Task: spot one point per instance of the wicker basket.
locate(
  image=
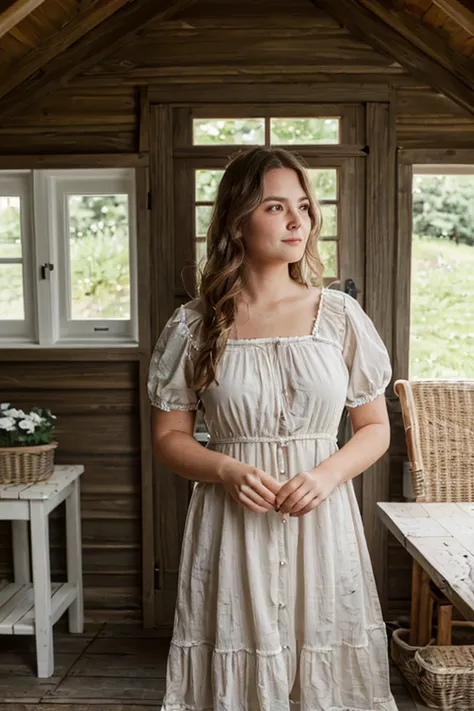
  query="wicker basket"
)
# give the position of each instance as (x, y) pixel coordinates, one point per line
(26, 465)
(403, 654)
(445, 677)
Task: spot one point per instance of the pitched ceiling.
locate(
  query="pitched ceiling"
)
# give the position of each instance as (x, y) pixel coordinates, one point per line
(46, 43)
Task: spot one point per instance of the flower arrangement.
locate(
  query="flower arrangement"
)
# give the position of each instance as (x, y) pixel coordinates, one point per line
(20, 429)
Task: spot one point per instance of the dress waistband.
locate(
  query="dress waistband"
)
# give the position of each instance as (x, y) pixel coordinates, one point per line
(279, 440)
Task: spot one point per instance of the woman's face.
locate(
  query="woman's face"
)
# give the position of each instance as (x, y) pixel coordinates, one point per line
(279, 227)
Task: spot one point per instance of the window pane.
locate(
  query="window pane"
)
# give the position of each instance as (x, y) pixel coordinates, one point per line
(329, 220)
(99, 256)
(203, 219)
(309, 131)
(219, 132)
(324, 182)
(442, 309)
(442, 286)
(201, 252)
(12, 306)
(328, 254)
(207, 182)
(10, 227)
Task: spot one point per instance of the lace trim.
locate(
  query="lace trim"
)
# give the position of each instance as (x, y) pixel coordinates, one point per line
(167, 406)
(367, 398)
(270, 653)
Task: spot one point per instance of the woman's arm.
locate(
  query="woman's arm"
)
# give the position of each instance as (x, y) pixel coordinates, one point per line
(371, 439)
(174, 446)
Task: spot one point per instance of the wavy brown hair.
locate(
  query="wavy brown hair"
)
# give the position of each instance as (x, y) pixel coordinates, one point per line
(240, 192)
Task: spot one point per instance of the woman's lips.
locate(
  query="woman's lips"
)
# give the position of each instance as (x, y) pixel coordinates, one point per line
(292, 240)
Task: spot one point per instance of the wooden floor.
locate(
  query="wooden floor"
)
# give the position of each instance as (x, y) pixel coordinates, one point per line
(120, 668)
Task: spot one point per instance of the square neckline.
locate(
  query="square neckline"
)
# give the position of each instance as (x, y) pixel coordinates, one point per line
(285, 339)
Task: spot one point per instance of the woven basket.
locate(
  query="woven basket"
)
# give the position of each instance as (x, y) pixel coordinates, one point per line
(445, 677)
(403, 654)
(26, 465)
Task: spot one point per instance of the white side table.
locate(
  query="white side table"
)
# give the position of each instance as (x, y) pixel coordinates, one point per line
(33, 608)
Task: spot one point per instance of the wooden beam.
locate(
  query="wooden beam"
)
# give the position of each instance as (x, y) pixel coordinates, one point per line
(54, 68)
(15, 13)
(424, 38)
(378, 34)
(96, 13)
(379, 303)
(459, 12)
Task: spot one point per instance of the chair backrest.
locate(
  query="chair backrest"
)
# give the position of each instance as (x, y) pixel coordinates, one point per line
(438, 416)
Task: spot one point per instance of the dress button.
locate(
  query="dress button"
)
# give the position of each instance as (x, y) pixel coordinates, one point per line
(283, 520)
(281, 604)
(286, 646)
(282, 562)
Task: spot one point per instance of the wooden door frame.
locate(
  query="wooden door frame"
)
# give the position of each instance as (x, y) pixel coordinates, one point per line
(373, 136)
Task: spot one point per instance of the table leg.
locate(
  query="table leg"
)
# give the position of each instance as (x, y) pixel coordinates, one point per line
(74, 558)
(42, 588)
(21, 552)
(415, 602)
(425, 621)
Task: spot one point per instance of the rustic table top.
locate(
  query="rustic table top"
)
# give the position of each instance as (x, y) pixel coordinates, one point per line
(440, 537)
(62, 476)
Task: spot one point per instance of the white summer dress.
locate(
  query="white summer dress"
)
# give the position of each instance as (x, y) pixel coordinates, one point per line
(276, 613)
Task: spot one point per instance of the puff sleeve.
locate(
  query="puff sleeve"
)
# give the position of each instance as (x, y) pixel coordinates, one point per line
(365, 355)
(170, 363)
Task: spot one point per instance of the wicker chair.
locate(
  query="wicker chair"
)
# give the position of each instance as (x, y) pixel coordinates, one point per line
(438, 417)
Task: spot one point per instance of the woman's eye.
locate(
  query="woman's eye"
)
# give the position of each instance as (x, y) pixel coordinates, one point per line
(274, 208)
(305, 207)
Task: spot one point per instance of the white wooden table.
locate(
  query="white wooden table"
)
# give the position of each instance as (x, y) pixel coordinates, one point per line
(33, 607)
(440, 537)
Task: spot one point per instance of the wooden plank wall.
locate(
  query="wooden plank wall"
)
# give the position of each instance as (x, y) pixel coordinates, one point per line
(222, 44)
(96, 404)
(76, 121)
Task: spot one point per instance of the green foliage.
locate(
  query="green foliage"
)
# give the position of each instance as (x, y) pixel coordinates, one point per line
(99, 253)
(442, 309)
(21, 429)
(443, 207)
(284, 131)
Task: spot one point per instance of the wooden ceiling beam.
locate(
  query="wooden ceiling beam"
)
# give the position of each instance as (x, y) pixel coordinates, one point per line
(101, 31)
(459, 12)
(426, 39)
(98, 12)
(370, 28)
(15, 13)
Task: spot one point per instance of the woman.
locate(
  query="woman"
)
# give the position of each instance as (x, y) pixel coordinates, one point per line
(277, 607)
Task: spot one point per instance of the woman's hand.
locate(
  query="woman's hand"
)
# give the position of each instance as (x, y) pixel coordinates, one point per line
(305, 491)
(250, 486)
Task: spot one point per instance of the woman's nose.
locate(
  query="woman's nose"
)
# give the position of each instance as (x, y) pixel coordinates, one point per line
(294, 220)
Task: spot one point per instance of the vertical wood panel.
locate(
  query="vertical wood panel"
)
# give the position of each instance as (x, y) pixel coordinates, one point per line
(379, 304)
(171, 492)
(403, 268)
(143, 278)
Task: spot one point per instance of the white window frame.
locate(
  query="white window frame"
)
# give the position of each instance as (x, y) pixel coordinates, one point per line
(18, 183)
(50, 301)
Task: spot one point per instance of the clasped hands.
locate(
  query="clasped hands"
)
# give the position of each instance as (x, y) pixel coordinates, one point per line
(259, 492)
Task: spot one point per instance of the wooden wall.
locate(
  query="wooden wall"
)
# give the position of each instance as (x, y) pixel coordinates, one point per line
(96, 403)
(213, 50)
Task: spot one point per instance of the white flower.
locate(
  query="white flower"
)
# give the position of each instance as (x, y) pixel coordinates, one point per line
(34, 417)
(14, 413)
(27, 425)
(4, 406)
(7, 423)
